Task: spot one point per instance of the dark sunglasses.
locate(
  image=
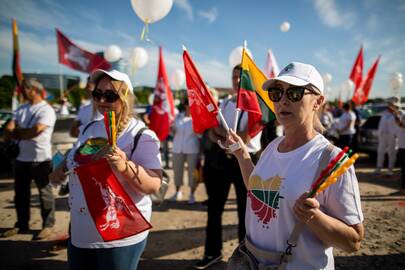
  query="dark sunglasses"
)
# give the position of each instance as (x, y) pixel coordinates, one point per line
(294, 93)
(109, 96)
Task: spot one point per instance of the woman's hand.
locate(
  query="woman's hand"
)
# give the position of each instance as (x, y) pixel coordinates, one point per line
(305, 208)
(235, 145)
(117, 159)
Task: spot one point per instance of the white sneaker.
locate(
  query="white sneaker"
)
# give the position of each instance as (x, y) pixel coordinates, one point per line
(191, 199)
(177, 196)
(390, 172)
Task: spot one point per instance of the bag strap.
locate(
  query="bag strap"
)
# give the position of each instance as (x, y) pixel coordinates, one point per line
(136, 139)
(88, 125)
(295, 234)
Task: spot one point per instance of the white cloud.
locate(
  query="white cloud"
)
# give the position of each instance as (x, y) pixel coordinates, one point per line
(186, 7)
(373, 23)
(331, 15)
(32, 14)
(211, 15)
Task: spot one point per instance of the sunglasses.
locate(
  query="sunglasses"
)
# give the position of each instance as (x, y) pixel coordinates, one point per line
(294, 93)
(109, 96)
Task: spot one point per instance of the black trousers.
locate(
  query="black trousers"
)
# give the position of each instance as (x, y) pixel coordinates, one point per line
(401, 160)
(24, 173)
(220, 171)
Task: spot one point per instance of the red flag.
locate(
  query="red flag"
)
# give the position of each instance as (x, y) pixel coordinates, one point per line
(113, 211)
(272, 69)
(203, 107)
(162, 114)
(360, 96)
(357, 71)
(76, 58)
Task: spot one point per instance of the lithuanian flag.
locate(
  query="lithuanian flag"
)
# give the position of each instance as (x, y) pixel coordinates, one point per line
(17, 74)
(252, 98)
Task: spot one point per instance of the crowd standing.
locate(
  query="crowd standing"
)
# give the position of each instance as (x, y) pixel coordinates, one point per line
(287, 153)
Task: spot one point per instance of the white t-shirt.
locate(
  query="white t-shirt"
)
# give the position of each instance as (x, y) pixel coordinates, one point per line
(387, 125)
(37, 149)
(84, 233)
(346, 118)
(276, 182)
(401, 133)
(228, 108)
(86, 114)
(185, 140)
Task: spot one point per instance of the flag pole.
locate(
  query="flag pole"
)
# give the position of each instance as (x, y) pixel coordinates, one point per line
(60, 82)
(237, 111)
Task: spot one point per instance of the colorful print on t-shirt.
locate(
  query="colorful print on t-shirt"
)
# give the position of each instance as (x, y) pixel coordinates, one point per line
(264, 196)
(88, 149)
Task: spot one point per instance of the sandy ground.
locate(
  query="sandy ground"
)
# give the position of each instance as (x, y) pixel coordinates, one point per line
(177, 239)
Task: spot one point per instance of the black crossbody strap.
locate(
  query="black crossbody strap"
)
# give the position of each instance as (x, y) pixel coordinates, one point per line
(88, 125)
(136, 139)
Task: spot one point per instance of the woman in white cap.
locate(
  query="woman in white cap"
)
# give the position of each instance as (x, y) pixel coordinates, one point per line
(278, 185)
(100, 239)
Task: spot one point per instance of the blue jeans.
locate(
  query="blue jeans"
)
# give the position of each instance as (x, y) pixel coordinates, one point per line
(119, 258)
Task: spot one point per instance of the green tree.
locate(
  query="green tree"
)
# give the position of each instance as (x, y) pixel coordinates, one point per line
(7, 86)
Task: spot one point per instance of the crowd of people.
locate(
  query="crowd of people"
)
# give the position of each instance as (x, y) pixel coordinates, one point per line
(271, 173)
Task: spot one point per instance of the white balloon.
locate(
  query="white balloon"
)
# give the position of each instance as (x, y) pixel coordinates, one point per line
(396, 80)
(178, 78)
(235, 57)
(151, 11)
(113, 53)
(284, 27)
(327, 78)
(139, 57)
(348, 85)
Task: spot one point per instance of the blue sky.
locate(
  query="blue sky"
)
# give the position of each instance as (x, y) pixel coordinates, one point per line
(325, 33)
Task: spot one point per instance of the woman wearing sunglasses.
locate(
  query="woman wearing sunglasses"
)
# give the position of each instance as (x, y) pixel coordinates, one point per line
(138, 172)
(277, 186)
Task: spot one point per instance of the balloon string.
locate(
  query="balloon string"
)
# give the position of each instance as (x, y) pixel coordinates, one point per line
(145, 30)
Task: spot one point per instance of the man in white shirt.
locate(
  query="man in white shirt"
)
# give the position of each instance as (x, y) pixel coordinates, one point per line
(346, 126)
(32, 126)
(399, 117)
(387, 141)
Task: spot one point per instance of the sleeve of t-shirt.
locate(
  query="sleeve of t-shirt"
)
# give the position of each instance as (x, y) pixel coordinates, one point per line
(147, 153)
(46, 117)
(343, 199)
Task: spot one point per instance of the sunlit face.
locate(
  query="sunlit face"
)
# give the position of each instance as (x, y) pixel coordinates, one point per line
(30, 92)
(101, 104)
(298, 113)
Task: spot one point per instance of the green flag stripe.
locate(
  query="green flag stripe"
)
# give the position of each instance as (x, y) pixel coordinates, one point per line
(267, 114)
(245, 81)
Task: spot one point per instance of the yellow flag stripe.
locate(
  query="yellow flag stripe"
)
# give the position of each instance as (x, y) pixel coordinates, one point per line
(257, 77)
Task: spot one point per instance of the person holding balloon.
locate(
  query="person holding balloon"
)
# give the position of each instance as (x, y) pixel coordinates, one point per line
(303, 194)
(110, 180)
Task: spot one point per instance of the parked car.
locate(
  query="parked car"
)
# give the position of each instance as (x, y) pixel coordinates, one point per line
(368, 136)
(61, 139)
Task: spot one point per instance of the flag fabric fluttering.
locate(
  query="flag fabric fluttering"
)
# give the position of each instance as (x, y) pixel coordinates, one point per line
(252, 98)
(271, 69)
(203, 107)
(357, 71)
(360, 95)
(17, 74)
(76, 58)
(114, 213)
(162, 114)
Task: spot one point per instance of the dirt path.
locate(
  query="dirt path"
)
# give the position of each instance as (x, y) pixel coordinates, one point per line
(177, 239)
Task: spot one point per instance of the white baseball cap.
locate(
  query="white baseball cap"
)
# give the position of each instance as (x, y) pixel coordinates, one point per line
(114, 74)
(298, 74)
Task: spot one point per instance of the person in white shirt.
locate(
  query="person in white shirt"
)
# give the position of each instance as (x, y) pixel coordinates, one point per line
(277, 186)
(86, 113)
(186, 147)
(138, 170)
(387, 137)
(346, 127)
(220, 171)
(400, 121)
(32, 125)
